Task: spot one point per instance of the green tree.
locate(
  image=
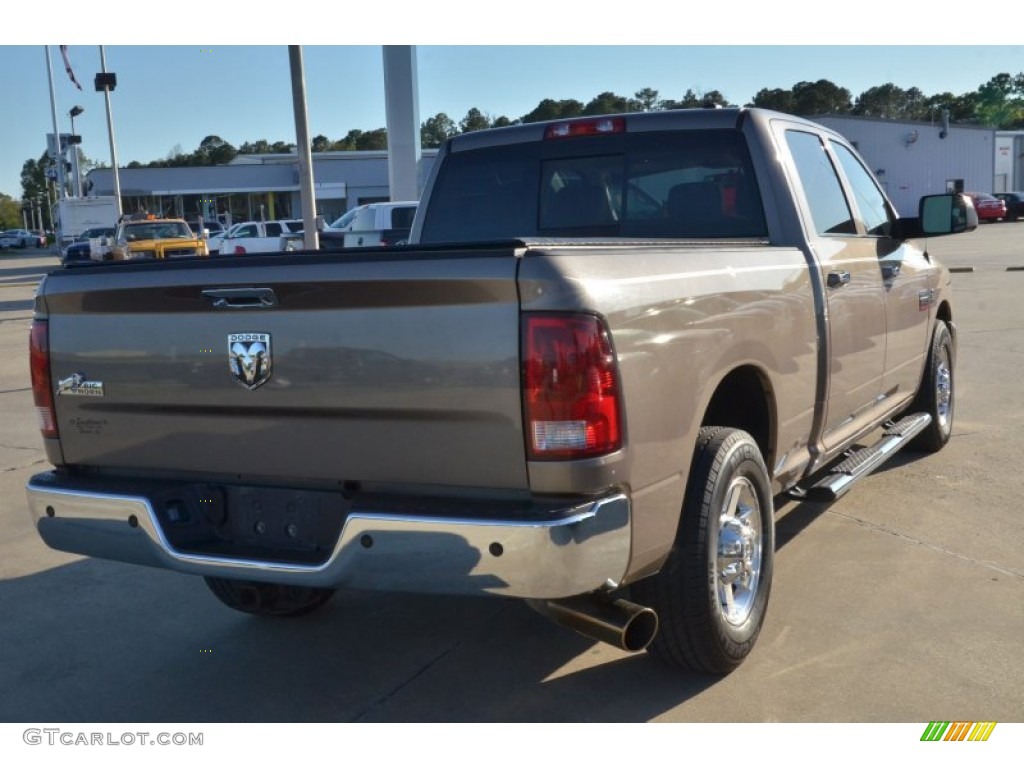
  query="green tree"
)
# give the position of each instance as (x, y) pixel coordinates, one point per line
(434, 131)
(33, 178)
(475, 120)
(1000, 102)
(549, 109)
(213, 150)
(780, 99)
(646, 99)
(693, 100)
(503, 122)
(822, 97)
(607, 103)
(10, 212)
(375, 139)
(320, 143)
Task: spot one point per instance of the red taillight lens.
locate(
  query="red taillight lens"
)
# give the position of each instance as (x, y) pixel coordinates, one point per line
(570, 387)
(39, 366)
(595, 126)
(239, 250)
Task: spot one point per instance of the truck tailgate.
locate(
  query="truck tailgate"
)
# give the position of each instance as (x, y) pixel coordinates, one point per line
(396, 367)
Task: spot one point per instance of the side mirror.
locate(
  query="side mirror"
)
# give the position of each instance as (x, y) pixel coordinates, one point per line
(939, 215)
(947, 214)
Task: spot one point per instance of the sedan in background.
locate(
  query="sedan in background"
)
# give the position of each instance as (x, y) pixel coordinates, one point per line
(1014, 204)
(989, 208)
(22, 238)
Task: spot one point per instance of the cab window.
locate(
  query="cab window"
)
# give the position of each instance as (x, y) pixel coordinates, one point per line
(874, 211)
(822, 188)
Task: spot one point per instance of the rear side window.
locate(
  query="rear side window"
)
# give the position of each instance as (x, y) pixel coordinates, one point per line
(679, 184)
(401, 218)
(485, 194)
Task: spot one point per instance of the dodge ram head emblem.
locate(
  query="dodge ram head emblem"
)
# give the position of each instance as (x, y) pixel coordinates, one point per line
(249, 358)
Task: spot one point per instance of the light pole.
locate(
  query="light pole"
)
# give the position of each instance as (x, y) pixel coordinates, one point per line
(74, 141)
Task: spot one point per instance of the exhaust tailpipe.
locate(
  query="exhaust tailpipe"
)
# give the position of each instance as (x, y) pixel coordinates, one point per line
(625, 625)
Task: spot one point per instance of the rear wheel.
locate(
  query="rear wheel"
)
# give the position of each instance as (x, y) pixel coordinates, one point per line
(712, 593)
(264, 599)
(936, 395)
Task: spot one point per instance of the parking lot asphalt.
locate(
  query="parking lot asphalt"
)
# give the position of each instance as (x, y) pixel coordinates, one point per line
(901, 602)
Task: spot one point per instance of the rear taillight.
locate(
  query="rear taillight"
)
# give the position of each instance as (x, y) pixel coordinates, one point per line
(239, 250)
(39, 366)
(571, 397)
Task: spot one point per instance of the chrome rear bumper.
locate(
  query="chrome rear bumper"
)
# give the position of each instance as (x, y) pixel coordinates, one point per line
(579, 549)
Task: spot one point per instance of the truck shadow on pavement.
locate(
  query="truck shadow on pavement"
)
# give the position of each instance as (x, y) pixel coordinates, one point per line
(97, 641)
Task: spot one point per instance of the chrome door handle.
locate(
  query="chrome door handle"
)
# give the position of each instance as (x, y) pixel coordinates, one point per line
(889, 271)
(835, 279)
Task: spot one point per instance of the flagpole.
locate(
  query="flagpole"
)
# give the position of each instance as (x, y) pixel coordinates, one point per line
(110, 132)
(59, 159)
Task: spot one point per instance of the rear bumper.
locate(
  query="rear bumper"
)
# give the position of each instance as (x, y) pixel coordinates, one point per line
(577, 548)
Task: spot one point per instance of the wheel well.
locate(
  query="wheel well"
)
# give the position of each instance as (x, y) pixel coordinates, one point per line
(743, 401)
(944, 314)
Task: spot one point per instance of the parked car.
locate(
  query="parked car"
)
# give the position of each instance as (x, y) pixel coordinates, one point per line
(40, 238)
(257, 237)
(81, 249)
(989, 208)
(6, 241)
(1014, 204)
(22, 238)
(369, 225)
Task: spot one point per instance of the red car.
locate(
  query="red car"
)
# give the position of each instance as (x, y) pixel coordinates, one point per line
(989, 208)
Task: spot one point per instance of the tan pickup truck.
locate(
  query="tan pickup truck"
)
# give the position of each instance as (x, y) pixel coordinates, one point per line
(611, 343)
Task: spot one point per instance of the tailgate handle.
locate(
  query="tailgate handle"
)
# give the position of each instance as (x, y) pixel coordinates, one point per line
(241, 298)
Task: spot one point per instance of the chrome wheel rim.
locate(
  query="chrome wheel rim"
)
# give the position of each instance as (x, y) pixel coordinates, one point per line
(944, 391)
(738, 552)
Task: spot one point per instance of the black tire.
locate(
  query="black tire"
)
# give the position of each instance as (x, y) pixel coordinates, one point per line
(729, 492)
(262, 599)
(937, 396)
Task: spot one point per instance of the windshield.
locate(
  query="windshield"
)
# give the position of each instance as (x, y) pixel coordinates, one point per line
(157, 230)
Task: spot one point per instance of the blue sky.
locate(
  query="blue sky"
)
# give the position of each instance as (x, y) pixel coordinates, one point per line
(173, 96)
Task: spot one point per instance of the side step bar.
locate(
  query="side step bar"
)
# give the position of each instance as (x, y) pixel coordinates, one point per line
(854, 466)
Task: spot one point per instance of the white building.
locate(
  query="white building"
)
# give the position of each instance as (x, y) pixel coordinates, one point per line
(1009, 161)
(914, 159)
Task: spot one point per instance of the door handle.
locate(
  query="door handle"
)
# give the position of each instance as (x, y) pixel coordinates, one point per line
(241, 298)
(835, 279)
(889, 271)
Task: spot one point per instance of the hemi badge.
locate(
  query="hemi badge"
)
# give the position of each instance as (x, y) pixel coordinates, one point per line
(925, 299)
(75, 384)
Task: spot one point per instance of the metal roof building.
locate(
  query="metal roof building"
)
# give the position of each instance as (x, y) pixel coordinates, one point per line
(254, 187)
(913, 159)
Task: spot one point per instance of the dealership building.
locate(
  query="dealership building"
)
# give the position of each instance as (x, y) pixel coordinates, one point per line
(910, 159)
(255, 187)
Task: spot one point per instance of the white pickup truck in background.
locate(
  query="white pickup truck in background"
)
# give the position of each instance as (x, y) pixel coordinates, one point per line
(256, 237)
(370, 225)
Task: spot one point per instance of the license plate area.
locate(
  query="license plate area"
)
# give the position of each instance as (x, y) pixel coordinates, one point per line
(283, 525)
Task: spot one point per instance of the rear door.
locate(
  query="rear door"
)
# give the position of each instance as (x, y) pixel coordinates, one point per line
(383, 369)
